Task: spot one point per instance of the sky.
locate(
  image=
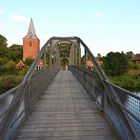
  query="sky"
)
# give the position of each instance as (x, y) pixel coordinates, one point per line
(104, 25)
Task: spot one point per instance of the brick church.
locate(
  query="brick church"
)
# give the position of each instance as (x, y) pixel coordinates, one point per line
(31, 45)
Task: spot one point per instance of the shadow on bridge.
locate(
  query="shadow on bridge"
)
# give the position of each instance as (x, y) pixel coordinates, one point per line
(64, 110)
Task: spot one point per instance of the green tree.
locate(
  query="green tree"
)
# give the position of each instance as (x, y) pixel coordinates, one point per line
(115, 64)
(11, 67)
(15, 52)
(3, 41)
(129, 56)
(28, 61)
(3, 60)
(3, 46)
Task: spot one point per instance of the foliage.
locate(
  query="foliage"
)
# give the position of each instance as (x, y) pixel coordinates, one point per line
(134, 66)
(127, 82)
(3, 41)
(11, 67)
(129, 55)
(9, 56)
(134, 72)
(15, 52)
(8, 68)
(22, 72)
(3, 60)
(115, 64)
(3, 46)
(9, 81)
(28, 61)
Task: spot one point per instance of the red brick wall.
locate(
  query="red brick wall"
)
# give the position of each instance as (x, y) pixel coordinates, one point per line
(30, 48)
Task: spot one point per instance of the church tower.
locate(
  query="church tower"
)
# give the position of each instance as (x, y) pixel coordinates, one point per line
(31, 43)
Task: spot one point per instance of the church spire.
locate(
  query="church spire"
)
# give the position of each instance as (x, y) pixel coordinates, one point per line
(31, 30)
(31, 43)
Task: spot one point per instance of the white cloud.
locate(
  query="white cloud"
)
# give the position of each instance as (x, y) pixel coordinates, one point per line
(98, 14)
(2, 12)
(19, 18)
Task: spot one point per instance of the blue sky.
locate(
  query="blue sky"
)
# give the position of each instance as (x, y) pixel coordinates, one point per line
(104, 25)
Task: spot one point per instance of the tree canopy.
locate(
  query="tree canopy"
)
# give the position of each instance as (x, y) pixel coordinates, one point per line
(115, 64)
(3, 41)
(9, 56)
(15, 52)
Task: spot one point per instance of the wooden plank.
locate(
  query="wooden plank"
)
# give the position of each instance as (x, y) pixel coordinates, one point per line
(65, 112)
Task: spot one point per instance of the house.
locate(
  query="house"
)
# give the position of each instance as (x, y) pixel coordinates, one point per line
(20, 65)
(136, 59)
(40, 64)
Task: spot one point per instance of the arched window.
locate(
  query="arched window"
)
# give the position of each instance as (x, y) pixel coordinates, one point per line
(30, 43)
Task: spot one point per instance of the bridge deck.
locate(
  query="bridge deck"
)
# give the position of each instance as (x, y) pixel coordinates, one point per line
(65, 112)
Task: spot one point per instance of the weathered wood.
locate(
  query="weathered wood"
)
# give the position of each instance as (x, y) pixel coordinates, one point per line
(65, 112)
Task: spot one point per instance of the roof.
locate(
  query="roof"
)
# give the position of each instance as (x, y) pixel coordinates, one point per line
(31, 31)
(20, 64)
(136, 57)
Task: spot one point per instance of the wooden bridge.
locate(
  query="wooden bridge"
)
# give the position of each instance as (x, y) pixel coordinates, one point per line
(73, 104)
(65, 111)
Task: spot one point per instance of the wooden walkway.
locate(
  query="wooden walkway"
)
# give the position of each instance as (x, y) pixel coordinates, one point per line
(65, 112)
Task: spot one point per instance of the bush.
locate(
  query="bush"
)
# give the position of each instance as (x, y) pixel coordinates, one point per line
(127, 82)
(10, 81)
(11, 67)
(24, 71)
(137, 66)
(29, 61)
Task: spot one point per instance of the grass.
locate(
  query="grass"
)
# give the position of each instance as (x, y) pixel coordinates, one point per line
(132, 72)
(129, 81)
(9, 81)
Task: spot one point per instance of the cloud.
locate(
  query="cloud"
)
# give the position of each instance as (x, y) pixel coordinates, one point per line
(98, 15)
(19, 18)
(2, 12)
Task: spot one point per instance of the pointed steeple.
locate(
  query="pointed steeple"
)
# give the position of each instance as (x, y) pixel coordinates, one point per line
(31, 31)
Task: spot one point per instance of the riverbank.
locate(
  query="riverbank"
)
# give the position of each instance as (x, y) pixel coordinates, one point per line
(131, 83)
(9, 81)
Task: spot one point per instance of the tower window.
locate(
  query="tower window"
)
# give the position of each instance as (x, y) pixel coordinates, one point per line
(30, 43)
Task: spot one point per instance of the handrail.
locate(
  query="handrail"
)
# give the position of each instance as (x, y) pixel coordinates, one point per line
(23, 99)
(113, 107)
(8, 92)
(128, 92)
